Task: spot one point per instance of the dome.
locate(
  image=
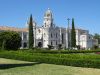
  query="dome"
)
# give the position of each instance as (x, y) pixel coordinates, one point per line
(48, 13)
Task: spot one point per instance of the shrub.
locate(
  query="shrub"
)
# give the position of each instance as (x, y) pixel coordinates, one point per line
(59, 46)
(50, 47)
(64, 51)
(95, 47)
(10, 40)
(80, 60)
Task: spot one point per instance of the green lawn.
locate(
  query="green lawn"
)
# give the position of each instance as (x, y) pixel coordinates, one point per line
(43, 69)
(9, 61)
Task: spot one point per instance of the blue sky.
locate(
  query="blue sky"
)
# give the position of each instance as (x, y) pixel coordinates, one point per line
(86, 13)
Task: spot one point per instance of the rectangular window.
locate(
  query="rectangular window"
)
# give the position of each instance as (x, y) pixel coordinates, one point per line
(51, 42)
(51, 35)
(56, 42)
(25, 37)
(56, 35)
(62, 38)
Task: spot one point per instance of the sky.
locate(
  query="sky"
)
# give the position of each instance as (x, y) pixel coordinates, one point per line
(86, 13)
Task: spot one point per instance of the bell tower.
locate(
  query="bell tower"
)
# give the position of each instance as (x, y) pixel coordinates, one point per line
(48, 19)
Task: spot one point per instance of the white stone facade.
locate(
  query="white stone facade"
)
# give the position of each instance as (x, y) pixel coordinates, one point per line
(50, 34)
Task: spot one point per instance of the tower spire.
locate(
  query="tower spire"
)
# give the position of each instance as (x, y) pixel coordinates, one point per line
(48, 20)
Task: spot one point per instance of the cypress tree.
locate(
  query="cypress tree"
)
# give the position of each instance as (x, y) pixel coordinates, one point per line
(31, 40)
(73, 34)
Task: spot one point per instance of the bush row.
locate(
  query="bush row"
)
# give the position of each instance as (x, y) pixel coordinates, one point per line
(66, 56)
(71, 56)
(61, 51)
(51, 59)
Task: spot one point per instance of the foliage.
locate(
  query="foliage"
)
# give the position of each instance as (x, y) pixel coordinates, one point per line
(59, 46)
(97, 36)
(10, 40)
(73, 35)
(78, 47)
(95, 47)
(80, 60)
(50, 47)
(62, 51)
(31, 40)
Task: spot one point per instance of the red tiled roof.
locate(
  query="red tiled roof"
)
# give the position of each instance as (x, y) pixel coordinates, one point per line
(13, 29)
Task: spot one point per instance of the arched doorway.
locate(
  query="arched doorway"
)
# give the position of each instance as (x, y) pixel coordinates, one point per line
(25, 45)
(40, 44)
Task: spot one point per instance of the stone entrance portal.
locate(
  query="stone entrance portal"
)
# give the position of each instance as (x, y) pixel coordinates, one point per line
(40, 44)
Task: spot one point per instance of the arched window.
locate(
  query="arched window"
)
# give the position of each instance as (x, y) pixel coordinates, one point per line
(48, 15)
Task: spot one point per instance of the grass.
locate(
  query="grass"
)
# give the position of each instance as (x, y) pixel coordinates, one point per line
(44, 69)
(9, 61)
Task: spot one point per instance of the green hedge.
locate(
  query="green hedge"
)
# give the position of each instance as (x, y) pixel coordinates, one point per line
(61, 51)
(80, 60)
